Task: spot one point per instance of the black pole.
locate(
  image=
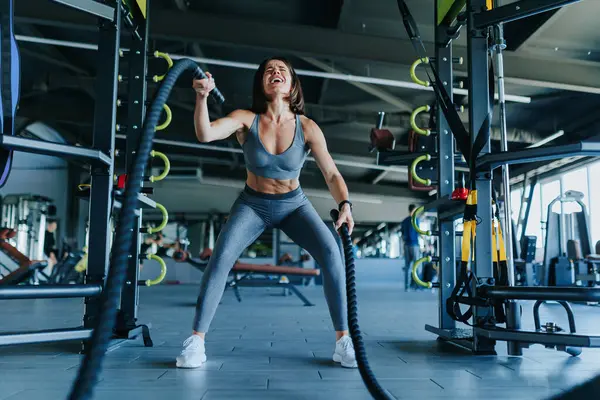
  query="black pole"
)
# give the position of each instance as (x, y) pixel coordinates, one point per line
(540, 293)
(49, 292)
(105, 119)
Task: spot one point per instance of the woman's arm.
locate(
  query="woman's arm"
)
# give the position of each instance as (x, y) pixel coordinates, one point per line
(335, 182)
(222, 128)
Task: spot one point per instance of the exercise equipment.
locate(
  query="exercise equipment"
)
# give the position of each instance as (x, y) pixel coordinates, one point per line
(25, 269)
(381, 139)
(567, 241)
(163, 271)
(486, 276)
(415, 275)
(367, 375)
(162, 175)
(92, 363)
(245, 274)
(26, 214)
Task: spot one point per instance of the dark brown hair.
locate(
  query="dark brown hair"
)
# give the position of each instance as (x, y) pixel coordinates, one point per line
(259, 99)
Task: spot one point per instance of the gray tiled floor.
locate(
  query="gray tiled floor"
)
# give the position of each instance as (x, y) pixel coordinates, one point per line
(271, 347)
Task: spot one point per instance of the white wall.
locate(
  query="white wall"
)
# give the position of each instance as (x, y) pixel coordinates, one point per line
(40, 175)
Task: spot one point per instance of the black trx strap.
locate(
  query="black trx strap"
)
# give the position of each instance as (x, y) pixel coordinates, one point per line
(499, 262)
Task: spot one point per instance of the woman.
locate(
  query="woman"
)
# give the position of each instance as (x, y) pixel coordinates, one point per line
(276, 139)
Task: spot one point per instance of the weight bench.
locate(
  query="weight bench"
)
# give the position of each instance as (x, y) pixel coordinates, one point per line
(27, 268)
(243, 274)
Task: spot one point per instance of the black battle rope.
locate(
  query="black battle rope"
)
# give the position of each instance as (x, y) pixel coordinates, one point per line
(368, 377)
(92, 363)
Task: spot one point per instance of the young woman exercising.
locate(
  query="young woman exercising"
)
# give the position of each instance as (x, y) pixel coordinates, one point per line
(276, 139)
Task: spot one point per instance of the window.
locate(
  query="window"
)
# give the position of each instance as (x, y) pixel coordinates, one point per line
(594, 209)
(515, 203)
(394, 245)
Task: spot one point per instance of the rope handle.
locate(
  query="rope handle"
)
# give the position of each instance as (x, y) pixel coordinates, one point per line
(413, 72)
(164, 222)
(168, 120)
(413, 170)
(415, 276)
(163, 270)
(167, 58)
(413, 221)
(413, 121)
(163, 175)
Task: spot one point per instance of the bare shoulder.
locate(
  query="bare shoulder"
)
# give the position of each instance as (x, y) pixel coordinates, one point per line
(243, 116)
(310, 128)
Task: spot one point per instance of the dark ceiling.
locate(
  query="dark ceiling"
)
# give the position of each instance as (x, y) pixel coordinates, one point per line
(554, 59)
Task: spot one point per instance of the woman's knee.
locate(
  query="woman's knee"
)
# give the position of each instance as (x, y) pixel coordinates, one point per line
(331, 257)
(220, 264)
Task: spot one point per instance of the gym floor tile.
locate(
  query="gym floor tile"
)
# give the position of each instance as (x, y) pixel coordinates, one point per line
(113, 394)
(272, 347)
(346, 394)
(386, 373)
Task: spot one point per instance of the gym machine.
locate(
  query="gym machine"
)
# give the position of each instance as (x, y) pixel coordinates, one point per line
(26, 215)
(484, 283)
(568, 256)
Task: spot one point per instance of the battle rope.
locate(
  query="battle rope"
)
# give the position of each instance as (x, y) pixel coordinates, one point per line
(91, 366)
(368, 377)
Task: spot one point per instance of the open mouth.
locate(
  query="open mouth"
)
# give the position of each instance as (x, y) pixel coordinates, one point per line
(277, 80)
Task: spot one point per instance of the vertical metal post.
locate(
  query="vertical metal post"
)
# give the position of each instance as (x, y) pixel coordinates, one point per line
(513, 312)
(136, 110)
(202, 238)
(102, 177)
(276, 245)
(211, 233)
(137, 88)
(127, 316)
(447, 248)
(479, 102)
(499, 45)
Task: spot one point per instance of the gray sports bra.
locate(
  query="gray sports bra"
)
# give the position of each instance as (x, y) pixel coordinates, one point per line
(283, 166)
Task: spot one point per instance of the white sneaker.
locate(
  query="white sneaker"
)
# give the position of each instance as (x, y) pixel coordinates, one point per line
(193, 354)
(344, 352)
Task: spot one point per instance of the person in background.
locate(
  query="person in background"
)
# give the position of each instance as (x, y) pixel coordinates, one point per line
(410, 237)
(50, 249)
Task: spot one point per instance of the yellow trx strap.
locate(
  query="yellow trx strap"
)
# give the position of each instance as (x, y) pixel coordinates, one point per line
(469, 228)
(502, 248)
(463, 281)
(494, 243)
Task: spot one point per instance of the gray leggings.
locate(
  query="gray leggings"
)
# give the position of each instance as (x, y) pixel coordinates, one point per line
(252, 213)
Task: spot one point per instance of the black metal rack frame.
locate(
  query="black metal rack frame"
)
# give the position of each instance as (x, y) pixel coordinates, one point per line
(100, 157)
(482, 339)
